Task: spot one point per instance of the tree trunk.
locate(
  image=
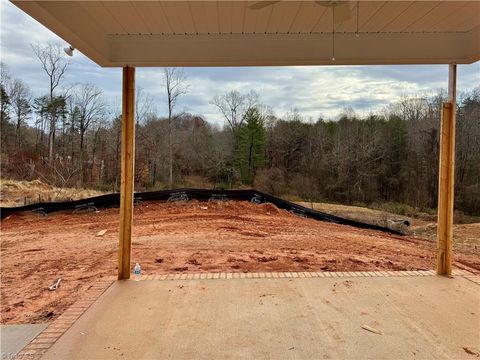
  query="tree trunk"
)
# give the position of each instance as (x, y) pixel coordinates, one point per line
(170, 156)
(51, 140)
(170, 145)
(17, 132)
(82, 135)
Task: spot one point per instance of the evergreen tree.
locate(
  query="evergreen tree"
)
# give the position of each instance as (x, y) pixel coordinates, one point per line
(251, 145)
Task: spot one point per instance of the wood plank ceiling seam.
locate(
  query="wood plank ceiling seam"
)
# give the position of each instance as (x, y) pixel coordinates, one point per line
(473, 15)
(318, 21)
(413, 13)
(155, 18)
(421, 17)
(260, 19)
(179, 9)
(218, 16)
(295, 17)
(124, 12)
(192, 17)
(113, 17)
(205, 17)
(132, 3)
(99, 14)
(166, 17)
(373, 15)
(396, 17)
(243, 7)
(269, 18)
(244, 17)
(428, 13)
(385, 15)
(442, 20)
(440, 11)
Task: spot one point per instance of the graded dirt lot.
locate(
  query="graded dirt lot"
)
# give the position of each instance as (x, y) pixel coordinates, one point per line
(466, 236)
(187, 237)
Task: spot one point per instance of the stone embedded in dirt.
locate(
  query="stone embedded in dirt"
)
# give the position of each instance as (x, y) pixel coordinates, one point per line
(194, 262)
(180, 268)
(102, 232)
(263, 259)
(159, 260)
(300, 259)
(48, 315)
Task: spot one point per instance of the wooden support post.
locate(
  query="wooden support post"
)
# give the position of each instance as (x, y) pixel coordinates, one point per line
(127, 172)
(446, 181)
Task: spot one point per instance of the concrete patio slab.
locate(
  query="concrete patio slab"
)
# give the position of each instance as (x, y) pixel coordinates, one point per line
(296, 318)
(15, 337)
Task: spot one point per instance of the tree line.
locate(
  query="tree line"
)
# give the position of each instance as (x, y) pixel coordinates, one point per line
(71, 137)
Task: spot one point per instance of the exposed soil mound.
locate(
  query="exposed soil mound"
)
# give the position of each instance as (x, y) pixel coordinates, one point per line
(269, 208)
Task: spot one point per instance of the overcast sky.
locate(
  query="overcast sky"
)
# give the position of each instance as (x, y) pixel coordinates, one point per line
(314, 91)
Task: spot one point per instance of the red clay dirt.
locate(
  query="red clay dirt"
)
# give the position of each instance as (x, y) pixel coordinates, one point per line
(185, 237)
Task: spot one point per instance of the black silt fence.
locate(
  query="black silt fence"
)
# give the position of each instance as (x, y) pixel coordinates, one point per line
(254, 196)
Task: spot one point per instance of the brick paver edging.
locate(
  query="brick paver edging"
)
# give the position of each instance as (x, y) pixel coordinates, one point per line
(38, 346)
(297, 274)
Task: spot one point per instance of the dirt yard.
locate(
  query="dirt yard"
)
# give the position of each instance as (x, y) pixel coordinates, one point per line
(466, 236)
(186, 237)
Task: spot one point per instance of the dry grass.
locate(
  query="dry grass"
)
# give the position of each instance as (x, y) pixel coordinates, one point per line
(465, 236)
(358, 213)
(17, 193)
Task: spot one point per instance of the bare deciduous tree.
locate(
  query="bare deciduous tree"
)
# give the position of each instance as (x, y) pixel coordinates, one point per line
(144, 106)
(176, 86)
(91, 107)
(20, 102)
(233, 105)
(53, 62)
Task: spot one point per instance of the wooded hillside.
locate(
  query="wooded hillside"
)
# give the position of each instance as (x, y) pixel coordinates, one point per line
(71, 138)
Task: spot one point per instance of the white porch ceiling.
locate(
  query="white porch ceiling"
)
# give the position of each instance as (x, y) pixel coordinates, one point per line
(230, 33)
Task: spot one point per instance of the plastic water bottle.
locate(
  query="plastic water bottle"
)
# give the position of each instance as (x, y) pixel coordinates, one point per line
(137, 270)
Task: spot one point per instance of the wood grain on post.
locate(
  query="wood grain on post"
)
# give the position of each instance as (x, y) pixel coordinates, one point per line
(127, 172)
(446, 190)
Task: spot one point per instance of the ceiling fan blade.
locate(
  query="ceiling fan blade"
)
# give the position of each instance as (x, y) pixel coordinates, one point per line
(342, 9)
(262, 4)
(342, 13)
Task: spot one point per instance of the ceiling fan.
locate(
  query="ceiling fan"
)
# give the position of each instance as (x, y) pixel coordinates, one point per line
(340, 13)
(341, 8)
